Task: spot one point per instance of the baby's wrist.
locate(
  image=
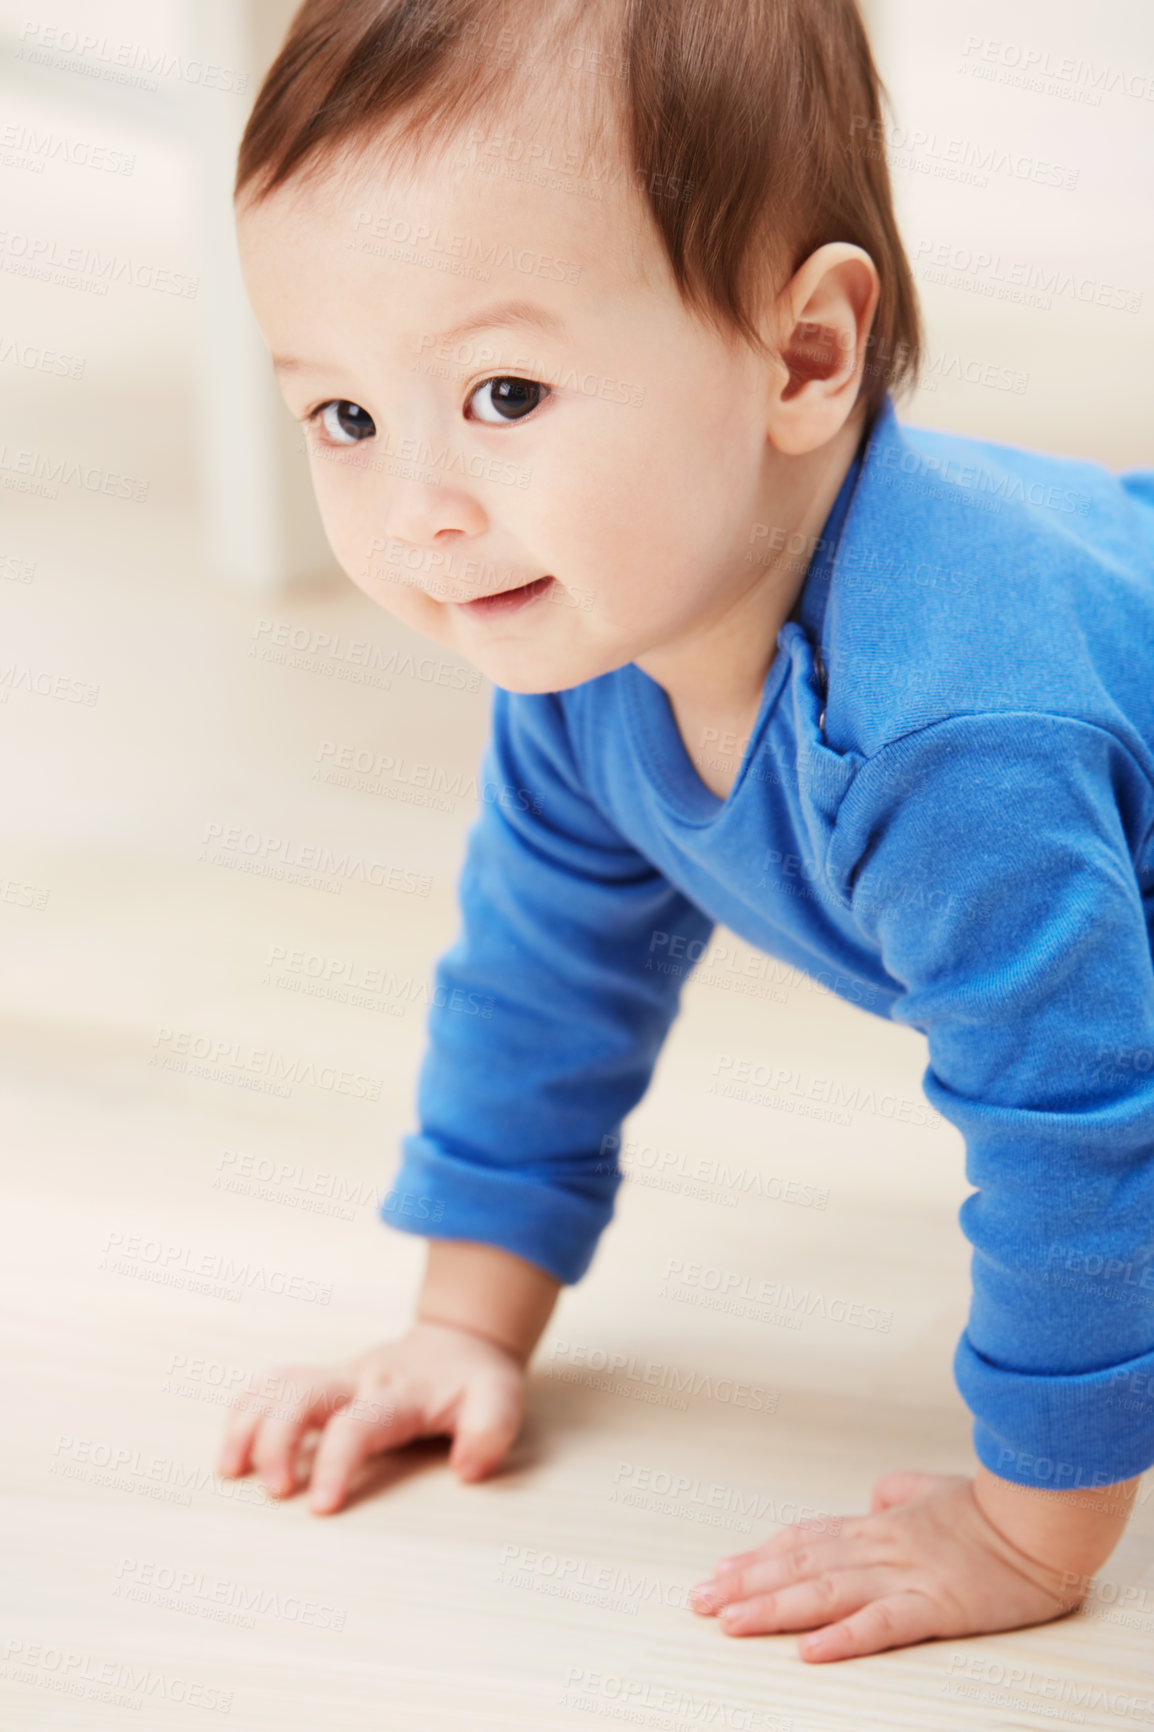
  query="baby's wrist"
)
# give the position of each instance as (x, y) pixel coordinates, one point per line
(487, 1291)
(423, 1320)
(1071, 1533)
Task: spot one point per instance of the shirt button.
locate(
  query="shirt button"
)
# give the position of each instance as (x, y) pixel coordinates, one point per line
(821, 722)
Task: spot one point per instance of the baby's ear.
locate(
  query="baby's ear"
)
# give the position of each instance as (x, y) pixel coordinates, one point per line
(812, 351)
(825, 315)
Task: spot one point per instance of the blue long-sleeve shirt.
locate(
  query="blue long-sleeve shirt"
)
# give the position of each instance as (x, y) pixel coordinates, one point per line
(946, 810)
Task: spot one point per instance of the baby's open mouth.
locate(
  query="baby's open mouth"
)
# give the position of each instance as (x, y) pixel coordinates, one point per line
(508, 599)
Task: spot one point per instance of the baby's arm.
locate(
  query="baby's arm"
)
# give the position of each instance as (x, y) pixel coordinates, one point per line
(548, 1012)
(1026, 960)
(457, 1371)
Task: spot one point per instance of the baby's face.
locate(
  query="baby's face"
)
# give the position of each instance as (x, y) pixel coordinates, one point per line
(613, 453)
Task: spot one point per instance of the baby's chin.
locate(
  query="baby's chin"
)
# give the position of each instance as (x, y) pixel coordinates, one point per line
(533, 669)
(542, 676)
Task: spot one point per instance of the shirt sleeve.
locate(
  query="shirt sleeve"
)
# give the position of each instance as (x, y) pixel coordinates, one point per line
(1026, 840)
(548, 1011)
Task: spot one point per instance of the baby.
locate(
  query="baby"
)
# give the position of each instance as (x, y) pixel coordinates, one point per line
(594, 314)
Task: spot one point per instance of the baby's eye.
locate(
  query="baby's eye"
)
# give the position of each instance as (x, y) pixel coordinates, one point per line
(345, 423)
(512, 399)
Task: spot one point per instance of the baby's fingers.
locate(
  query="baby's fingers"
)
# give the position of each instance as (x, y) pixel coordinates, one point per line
(244, 1418)
(893, 1621)
(378, 1418)
(763, 1576)
(787, 1539)
(267, 1424)
(801, 1606)
(488, 1421)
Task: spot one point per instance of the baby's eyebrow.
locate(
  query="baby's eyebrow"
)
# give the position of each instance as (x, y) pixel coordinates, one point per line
(500, 316)
(504, 314)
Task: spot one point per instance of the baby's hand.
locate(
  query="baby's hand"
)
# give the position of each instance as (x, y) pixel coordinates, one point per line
(436, 1380)
(925, 1562)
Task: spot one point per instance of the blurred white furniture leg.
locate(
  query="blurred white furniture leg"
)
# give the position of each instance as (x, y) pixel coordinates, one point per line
(262, 530)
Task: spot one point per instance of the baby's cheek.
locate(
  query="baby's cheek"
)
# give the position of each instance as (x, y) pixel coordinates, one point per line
(356, 537)
(383, 581)
(347, 522)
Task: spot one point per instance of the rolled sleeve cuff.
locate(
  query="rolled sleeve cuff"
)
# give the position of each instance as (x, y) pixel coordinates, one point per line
(441, 1197)
(1058, 1433)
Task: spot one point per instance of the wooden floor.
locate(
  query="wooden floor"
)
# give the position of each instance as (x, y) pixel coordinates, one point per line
(170, 1227)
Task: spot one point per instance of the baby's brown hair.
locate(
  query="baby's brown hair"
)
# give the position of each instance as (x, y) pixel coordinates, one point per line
(740, 122)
